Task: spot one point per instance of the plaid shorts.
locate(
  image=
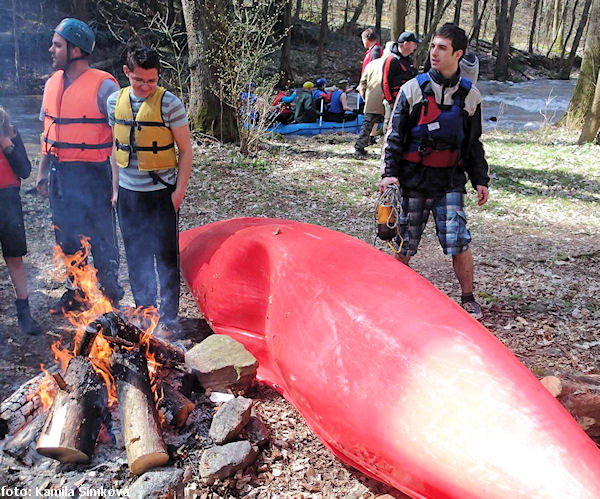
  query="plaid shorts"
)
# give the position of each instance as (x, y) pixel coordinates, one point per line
(450, 222)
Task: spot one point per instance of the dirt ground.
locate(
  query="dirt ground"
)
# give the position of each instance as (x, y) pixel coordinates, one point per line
(537, 277)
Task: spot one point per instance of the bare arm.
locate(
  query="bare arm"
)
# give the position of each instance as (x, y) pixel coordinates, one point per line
(115, 177)
(182, 139)
(42, 176)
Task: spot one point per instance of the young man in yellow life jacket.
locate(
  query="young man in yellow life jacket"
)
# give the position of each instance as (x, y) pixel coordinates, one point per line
(148, 122)
(75, 170)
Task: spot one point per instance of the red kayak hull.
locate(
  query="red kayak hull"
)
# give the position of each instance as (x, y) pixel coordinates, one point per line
(393, 376)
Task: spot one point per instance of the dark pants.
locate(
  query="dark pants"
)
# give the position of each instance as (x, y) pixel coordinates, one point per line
(80, 196)
(149, 225)
(340, 117)
(365, 130)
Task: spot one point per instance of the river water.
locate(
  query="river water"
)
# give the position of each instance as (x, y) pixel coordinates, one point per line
(515, 106)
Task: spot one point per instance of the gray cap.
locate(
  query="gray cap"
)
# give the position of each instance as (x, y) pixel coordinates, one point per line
(408, 36)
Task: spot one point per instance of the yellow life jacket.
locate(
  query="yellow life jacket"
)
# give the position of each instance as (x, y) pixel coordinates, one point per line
(147, 135)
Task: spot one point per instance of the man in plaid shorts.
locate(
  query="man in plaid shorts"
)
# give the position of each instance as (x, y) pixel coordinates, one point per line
(432, 146)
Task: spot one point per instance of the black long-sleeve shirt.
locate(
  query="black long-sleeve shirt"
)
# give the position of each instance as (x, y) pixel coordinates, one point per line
(17, 158)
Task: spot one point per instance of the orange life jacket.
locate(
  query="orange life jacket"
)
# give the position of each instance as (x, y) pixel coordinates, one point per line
(7, 176)
(74, 127)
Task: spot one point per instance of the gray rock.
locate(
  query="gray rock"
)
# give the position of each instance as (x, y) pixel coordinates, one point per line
(158, 484)
(220, 363)
(224, 460)
(257, 431)
(230, 420)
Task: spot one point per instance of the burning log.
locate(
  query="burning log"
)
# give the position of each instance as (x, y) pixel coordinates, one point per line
(117, 331)
(78, 411)
(580, 395)
(139, 419)
(23, 405)
(174, 407)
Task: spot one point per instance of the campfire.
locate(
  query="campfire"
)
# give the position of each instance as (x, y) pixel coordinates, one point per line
(115, 362)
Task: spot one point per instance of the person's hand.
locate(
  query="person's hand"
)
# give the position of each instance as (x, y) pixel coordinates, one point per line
(177, 198)
(386, 181)
(5, 142)
(482, 194)
(42, 187)
(113, 199)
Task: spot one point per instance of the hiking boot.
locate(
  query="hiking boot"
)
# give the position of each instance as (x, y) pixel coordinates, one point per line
(473, 309)
(360, 154)
(372, 140)
(167, 329)
(27, 324)
(70, 301)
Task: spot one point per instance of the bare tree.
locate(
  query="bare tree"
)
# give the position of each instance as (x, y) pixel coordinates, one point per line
(322, 33)
(591, 122)
(378, 15)
(398, 18)
(417, 15)
(504, 22)
(534, 16)
(457, 8)
(285, 65)
(583, 94)
(208, 114)
(358, 11)
(17, 52)
(568, 64)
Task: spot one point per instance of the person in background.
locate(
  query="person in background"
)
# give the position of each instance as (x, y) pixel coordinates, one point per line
(399, 67)
(75, 170)
(148, 122)
(372, 47)
(320, 96)
(431, 148)
(14, 166)
(282, 108)
(339, 111)
(304, 111)
(370, 89)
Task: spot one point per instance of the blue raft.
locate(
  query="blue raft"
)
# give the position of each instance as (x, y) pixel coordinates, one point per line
(318, 127)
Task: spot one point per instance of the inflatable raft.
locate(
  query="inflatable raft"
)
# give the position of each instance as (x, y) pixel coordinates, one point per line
(318, 127)
(393, 377)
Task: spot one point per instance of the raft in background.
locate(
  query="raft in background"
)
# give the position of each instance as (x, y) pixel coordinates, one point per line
(318, 127)
(394, 377)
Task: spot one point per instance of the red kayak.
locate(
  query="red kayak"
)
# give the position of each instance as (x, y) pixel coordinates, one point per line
(393, 376)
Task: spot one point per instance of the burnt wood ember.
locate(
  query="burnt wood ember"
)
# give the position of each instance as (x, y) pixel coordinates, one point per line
(140, 426)
(22, 406)
(174, 407)
(117, 331)
(77, 413)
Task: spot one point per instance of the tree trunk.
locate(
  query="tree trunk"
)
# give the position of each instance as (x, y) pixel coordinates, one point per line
(322, 33)
(16, 45)
(583, 95)
(78, 411)
(398, 18)
(591, 123)
(378, 15)
(208, 114)
(285, 65)
(568, 64)
(504, 20)
(556, 18)
(298, 10)
(536, 8)
(417, 16)
(477, 22)
(457, 12)
(358, 11)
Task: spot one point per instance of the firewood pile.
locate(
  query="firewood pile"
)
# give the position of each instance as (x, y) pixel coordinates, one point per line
(145, 395)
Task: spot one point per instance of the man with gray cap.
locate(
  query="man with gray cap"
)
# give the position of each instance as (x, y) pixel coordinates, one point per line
(398, 67)
(75, 171)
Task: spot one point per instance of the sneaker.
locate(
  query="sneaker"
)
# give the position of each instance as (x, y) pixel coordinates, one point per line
(473, 309)
(27, 324)
(70, 301)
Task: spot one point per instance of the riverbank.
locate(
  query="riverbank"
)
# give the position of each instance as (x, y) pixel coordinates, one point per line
(536, 246)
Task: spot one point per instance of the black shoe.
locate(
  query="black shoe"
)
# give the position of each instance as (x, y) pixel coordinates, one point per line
(360, 154)
(70, 301)
(372, 140)
(168, 329)
(27, 324)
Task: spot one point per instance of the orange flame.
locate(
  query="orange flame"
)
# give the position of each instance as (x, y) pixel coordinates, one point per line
(61, 355)
(45, 390)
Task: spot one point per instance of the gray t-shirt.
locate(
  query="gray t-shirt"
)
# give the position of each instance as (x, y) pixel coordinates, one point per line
(174, 115)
